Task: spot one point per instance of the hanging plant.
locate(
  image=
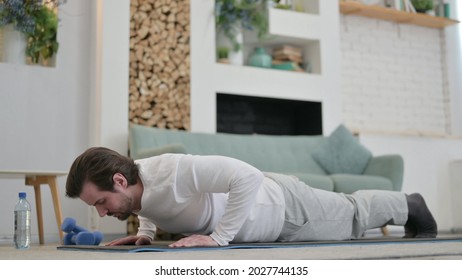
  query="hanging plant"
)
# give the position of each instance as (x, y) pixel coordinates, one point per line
(37, 20)
(19, 13)
(43, 43)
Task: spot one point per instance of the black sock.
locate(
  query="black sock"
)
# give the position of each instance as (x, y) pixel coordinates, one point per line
(420, 223)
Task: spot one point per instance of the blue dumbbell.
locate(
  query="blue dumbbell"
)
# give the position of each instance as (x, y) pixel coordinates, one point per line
(70, 225)
(77, 235)
(81, 238)
(98, 237)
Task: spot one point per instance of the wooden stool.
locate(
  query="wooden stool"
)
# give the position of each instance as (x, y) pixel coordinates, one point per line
(36, 179)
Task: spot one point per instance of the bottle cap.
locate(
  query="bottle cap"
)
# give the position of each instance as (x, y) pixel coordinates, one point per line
(22, 195)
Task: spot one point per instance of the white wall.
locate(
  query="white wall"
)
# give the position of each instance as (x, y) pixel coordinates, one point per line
(48, 115)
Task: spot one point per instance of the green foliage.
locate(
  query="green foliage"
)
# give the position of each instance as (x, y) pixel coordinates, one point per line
(283, 6)
(37, 20)
(278, 5)
(19, 13)
(232, 15)
(222, 52)
(422, 5)
(42, 43)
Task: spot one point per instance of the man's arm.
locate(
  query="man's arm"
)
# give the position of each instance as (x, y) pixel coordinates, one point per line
(202, 174)
(195, 241)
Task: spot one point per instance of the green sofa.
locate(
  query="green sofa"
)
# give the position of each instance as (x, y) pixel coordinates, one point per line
(294, 155)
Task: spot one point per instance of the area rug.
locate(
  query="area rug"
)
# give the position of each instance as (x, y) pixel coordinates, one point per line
(164, 247)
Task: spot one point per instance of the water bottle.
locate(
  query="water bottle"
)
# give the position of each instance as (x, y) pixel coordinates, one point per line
(22, 223)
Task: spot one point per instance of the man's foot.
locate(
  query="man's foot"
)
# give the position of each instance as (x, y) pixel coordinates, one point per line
(420, 223)
(409, 230)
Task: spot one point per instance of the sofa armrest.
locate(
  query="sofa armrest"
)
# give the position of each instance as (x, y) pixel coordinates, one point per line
(388, 166)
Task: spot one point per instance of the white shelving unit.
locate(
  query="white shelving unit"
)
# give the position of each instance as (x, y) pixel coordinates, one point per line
(316, 32)
(289, 28)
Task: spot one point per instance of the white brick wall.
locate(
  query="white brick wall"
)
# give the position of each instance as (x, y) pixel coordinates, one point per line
(393, 78)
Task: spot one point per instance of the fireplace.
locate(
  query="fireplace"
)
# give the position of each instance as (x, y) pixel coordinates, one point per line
(260, 115)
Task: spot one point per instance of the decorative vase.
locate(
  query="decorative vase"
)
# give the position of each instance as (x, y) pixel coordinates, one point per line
(14, 45)
(235, 57)
(260, 58)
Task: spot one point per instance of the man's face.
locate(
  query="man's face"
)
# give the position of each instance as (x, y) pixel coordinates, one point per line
(116, 203)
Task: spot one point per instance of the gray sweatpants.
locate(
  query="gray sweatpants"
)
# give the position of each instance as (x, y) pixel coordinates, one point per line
(314, 214)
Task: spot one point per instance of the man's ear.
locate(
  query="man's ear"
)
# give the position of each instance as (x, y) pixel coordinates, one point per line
(119, 180)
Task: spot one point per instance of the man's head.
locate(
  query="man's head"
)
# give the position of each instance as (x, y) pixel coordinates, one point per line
(98, 165)
(100, 177)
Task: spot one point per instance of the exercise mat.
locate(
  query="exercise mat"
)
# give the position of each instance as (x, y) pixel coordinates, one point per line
(163, 247)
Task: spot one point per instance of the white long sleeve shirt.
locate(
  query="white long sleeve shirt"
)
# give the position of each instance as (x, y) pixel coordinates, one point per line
(211, 195)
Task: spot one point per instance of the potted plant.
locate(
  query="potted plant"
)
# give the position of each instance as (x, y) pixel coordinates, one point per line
(223, 54)
(422, 6)
(37, 21)
(231, 16)
(283, 6)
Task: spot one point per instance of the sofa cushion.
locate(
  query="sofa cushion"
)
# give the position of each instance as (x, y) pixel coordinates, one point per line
(342, 153)
(347, 183)
(165, 149)
(316, 181)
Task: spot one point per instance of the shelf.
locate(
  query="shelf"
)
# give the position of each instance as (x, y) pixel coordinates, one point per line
(298, 25)
(389, 14)
(255, 81)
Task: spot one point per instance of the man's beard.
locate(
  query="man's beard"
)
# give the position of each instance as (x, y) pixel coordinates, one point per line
(125, 209)
(122, 216)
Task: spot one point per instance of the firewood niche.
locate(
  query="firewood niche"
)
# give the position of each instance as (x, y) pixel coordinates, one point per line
(159, 93)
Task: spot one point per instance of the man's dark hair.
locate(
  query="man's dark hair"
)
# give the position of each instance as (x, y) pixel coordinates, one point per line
(98, 165)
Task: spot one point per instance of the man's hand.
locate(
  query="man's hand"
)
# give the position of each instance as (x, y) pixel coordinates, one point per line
(195, 241)
(131, 240)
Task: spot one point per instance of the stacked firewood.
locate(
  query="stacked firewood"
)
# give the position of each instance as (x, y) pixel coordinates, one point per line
(160, 63)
